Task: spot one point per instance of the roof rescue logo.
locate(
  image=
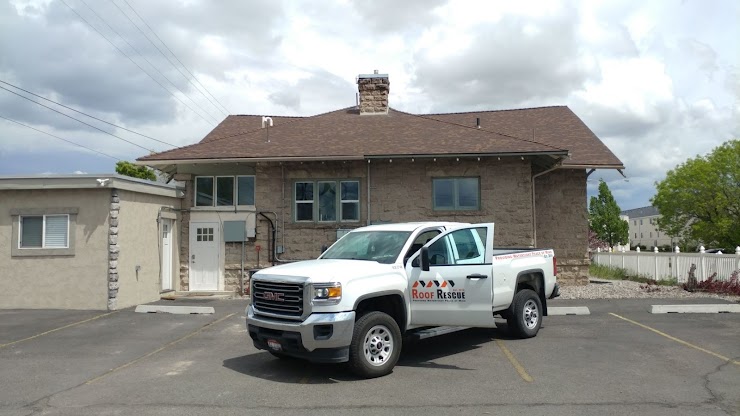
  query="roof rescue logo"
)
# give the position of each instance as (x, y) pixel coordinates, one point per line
(436, 291)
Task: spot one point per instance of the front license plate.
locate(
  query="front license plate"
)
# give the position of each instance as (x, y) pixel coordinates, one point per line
(274, 345)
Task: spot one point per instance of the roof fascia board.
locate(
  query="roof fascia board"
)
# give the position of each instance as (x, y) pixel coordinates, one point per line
(89, 182)
(165, 163)
(446, 155)
(587, 166)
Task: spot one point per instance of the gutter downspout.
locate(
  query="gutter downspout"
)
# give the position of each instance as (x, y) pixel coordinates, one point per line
(368, 192)
(273, 242)
(534, 202)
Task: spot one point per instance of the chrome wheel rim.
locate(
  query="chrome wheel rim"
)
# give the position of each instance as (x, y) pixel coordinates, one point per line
(531, 314)
(378, 345)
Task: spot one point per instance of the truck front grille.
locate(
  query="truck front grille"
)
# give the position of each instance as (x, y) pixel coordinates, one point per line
(276, 298)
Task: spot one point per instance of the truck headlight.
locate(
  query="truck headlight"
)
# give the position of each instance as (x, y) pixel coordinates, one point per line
(327, 293)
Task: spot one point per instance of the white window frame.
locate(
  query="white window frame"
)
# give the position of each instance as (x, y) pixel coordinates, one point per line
(17, 215)
(44, 245)
(315, 211)
(235, 192)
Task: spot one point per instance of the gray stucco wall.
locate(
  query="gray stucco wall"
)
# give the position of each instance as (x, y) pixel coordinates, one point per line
(139, 235)
(77, 281)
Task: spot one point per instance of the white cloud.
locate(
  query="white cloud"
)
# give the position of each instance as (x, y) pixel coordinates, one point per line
(657, 82)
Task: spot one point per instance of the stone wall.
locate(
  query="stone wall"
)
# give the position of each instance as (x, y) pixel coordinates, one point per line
(562, 221)
(401, 190)
(373, 95)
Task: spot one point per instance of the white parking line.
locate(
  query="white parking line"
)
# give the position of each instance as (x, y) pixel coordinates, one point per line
(180, 310)
(568, 310)
(711, 308)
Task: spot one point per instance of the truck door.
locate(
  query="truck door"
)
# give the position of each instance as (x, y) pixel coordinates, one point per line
(458, 287)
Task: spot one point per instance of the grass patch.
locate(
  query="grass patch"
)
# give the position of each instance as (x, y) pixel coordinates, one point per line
(617, 273)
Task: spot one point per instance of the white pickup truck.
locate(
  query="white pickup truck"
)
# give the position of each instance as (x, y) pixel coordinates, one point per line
(381, 283)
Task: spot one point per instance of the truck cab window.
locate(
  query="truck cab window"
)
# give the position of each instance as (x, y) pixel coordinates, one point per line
(419, 242)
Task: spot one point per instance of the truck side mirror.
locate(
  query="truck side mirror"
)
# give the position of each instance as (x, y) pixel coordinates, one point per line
(424, 259)
(324, 248)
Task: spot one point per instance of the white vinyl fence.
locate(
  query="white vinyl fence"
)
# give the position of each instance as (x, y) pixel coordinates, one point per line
(662, 266)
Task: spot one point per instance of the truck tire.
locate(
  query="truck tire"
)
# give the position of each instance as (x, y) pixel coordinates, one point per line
(376, 345)
(525, 317)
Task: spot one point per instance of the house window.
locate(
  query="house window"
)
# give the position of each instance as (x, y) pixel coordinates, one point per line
(640, 235)
(635, 235)
(456, 194)
(327, 201)
(635, 222)
(224, 191)
(651, 234)
(44, 231)
(640, 221)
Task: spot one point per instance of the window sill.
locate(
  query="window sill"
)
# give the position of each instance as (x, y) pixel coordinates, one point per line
(42, 252)
(239, 208)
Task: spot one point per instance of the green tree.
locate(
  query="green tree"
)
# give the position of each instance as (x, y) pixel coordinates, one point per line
(700, 198)
(135, 171)
(603, 217)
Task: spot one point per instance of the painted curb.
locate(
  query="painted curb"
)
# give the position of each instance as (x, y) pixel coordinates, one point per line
(710, 308)
(567, 310)
(180, 310)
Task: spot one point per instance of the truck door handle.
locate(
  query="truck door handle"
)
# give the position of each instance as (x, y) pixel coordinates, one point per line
(477, 276)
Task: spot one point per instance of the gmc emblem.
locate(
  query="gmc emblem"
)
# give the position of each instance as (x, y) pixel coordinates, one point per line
(273, 296)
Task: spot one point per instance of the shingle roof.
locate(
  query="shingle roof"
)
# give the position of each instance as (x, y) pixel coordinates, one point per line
(344, 133)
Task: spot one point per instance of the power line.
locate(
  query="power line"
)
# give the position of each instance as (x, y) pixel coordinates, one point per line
(175, 56)
(146, 59)
(88, 115)
(167, 57)
(77, 120)
(135, 63)
(57, 137)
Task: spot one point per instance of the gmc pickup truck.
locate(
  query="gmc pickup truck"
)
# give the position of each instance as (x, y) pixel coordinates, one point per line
(380, 284)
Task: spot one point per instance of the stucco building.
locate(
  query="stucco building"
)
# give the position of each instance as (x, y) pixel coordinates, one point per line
(298, 183)
(86, 241)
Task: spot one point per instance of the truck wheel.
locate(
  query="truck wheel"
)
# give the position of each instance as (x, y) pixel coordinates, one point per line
(525, 317)
(376, 345)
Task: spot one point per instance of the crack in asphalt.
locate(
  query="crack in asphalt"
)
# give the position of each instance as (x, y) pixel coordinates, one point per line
(717, 399)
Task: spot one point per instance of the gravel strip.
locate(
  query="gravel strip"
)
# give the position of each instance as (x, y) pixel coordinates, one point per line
(625, 289)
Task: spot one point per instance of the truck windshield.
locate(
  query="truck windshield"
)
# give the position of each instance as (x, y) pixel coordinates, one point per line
(381, 246)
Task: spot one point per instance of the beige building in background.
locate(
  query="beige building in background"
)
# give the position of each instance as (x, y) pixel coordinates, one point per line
(643, 228)
(86, 241)
(263, 190)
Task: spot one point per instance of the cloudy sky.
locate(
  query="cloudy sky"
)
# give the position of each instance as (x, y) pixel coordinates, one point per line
(657, 81)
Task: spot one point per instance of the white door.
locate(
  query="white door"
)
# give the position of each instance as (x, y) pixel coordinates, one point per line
(166, 254)
(458, 287)
(204, 249)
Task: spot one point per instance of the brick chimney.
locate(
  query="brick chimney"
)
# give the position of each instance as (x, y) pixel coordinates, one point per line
(373, 90)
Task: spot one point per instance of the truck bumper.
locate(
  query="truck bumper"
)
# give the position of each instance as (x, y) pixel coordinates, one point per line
(322, 337)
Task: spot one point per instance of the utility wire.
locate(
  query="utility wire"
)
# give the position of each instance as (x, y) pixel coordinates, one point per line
(77, 120)
(85, 114)
(57, 137)
(135, 63)
(167, 57)
(105, 22)
(175, 56)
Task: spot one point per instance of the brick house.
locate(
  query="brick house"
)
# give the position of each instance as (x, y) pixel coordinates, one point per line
(296, 184)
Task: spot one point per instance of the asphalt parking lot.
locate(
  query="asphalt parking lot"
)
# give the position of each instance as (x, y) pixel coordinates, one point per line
(618, 360)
